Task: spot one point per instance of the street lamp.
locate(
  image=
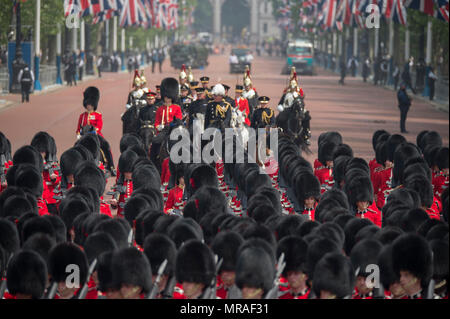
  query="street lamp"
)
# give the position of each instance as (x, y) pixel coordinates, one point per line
(18, 63)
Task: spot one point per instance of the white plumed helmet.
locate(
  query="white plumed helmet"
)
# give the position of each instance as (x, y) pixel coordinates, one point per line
(218, 90)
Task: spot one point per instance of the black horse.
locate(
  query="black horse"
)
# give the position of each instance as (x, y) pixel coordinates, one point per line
(294, 122)
(130, 119)
(105, 149)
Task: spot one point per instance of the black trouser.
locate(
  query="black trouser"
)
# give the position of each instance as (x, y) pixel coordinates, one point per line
(431, 85)
(81, 73)
(403, 114)
(160, 67)
(26, 86)
(395, 83)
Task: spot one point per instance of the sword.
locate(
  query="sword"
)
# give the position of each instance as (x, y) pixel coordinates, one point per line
(84, 290)
(52, 291)
(155, 288)
(273, 293)
(210, 292)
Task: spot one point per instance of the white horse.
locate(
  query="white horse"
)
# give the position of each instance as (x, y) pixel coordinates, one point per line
(237, 123)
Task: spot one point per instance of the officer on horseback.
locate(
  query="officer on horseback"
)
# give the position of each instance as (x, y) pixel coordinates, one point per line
(249, 92)
(294, 94)
(263, 116)
(218, 112)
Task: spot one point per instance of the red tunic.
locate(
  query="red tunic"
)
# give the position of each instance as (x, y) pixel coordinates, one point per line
(325, 176)
(49, 186)
(95, 119)
(165, 171)
(381, 185)
(310, 213)
(105, 209)
(435, 210)
(440, 183)
(242, 105)
(221, 292)
(175, 196)
(372, 213)
(373, 164)
(123, 196)
(42, 207)
(178, 292)
(166, 114)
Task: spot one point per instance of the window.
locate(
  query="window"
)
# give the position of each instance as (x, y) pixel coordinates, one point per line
(265, 28)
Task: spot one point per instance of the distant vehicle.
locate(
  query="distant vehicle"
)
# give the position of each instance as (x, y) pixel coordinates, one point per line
(241, 54)
(204, 37)
(193, 55)
(300, 53)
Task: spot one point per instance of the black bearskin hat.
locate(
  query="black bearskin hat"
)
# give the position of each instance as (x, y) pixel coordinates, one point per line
(403, 153)
(394, 141)
(16, 206)
(9, 237)
(126, 161)
(159, 247)
(65, 254)
(27, 275)
(255, 269)
(181, 231)
(104, 272)
(36, 225)
(226, 245)
(334, 273)
(326, 152)
(440, 260)
(28, 155)
(28, 177)
(441, 158)
(89, 175)
(41, 244)
(195, 263)
(316, 250)
(422, 185)
(411, 252)
(359, 189)
(376, 135)
(295, 250)
(387, 273)
(203, 175)
(170, 89)
(363, 254)
(306, 185)
(42, 143)
(98, 243)
(92, 143)
(130, 266)
(91, 96)
(69, 161)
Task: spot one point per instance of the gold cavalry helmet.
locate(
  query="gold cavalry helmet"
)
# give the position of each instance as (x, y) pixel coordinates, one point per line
(143, 79)
(190, 76)
(247, 78)
(137, 79)
(183, 73)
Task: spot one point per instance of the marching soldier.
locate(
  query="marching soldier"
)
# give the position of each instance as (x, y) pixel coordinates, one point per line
(91, 116)
(218, 111)
(263, 116)
(167, 112)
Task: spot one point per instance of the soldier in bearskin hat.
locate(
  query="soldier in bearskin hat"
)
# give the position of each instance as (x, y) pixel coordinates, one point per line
(91, 97)
(440, 267)
(158, 248)
(195, 268)
(325, 172)
(62, 256)
(412, 260)
(255, 279)
(226, 245)
(26, 276)
(307, 192)
(131, 273)
(363, 255)
(333, 277)
(295, 250)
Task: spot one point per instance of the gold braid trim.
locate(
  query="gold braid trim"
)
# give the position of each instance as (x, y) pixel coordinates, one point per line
(266, 118)
(222, 111)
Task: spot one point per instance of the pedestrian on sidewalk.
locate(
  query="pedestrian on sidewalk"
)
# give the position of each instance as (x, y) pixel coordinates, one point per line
(26, 80)
(404, 103)
(343, 68)
(396, 76)
(366, 69)
(431, 82)
(99, 66)
(161, 58)
(406, 77)
(80, 67)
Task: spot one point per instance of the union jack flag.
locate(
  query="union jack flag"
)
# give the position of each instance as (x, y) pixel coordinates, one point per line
(442, 10)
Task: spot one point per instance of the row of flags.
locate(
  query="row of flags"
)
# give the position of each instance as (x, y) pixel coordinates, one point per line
(334, 14)
(160, 14)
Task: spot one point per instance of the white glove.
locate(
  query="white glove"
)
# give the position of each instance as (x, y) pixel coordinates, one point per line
(128, 106)
(280, 108)
(78, 136)
(160, 128)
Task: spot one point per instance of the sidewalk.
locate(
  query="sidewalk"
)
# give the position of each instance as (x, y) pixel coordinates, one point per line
(440, 105)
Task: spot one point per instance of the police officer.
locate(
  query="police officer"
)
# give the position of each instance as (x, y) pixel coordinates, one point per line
(263, 116)
(218, 111)
(26, 80)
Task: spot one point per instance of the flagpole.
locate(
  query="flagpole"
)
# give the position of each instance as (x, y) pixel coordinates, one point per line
(123, 48)
(58, 55)
(37, 83)
(407, 45)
